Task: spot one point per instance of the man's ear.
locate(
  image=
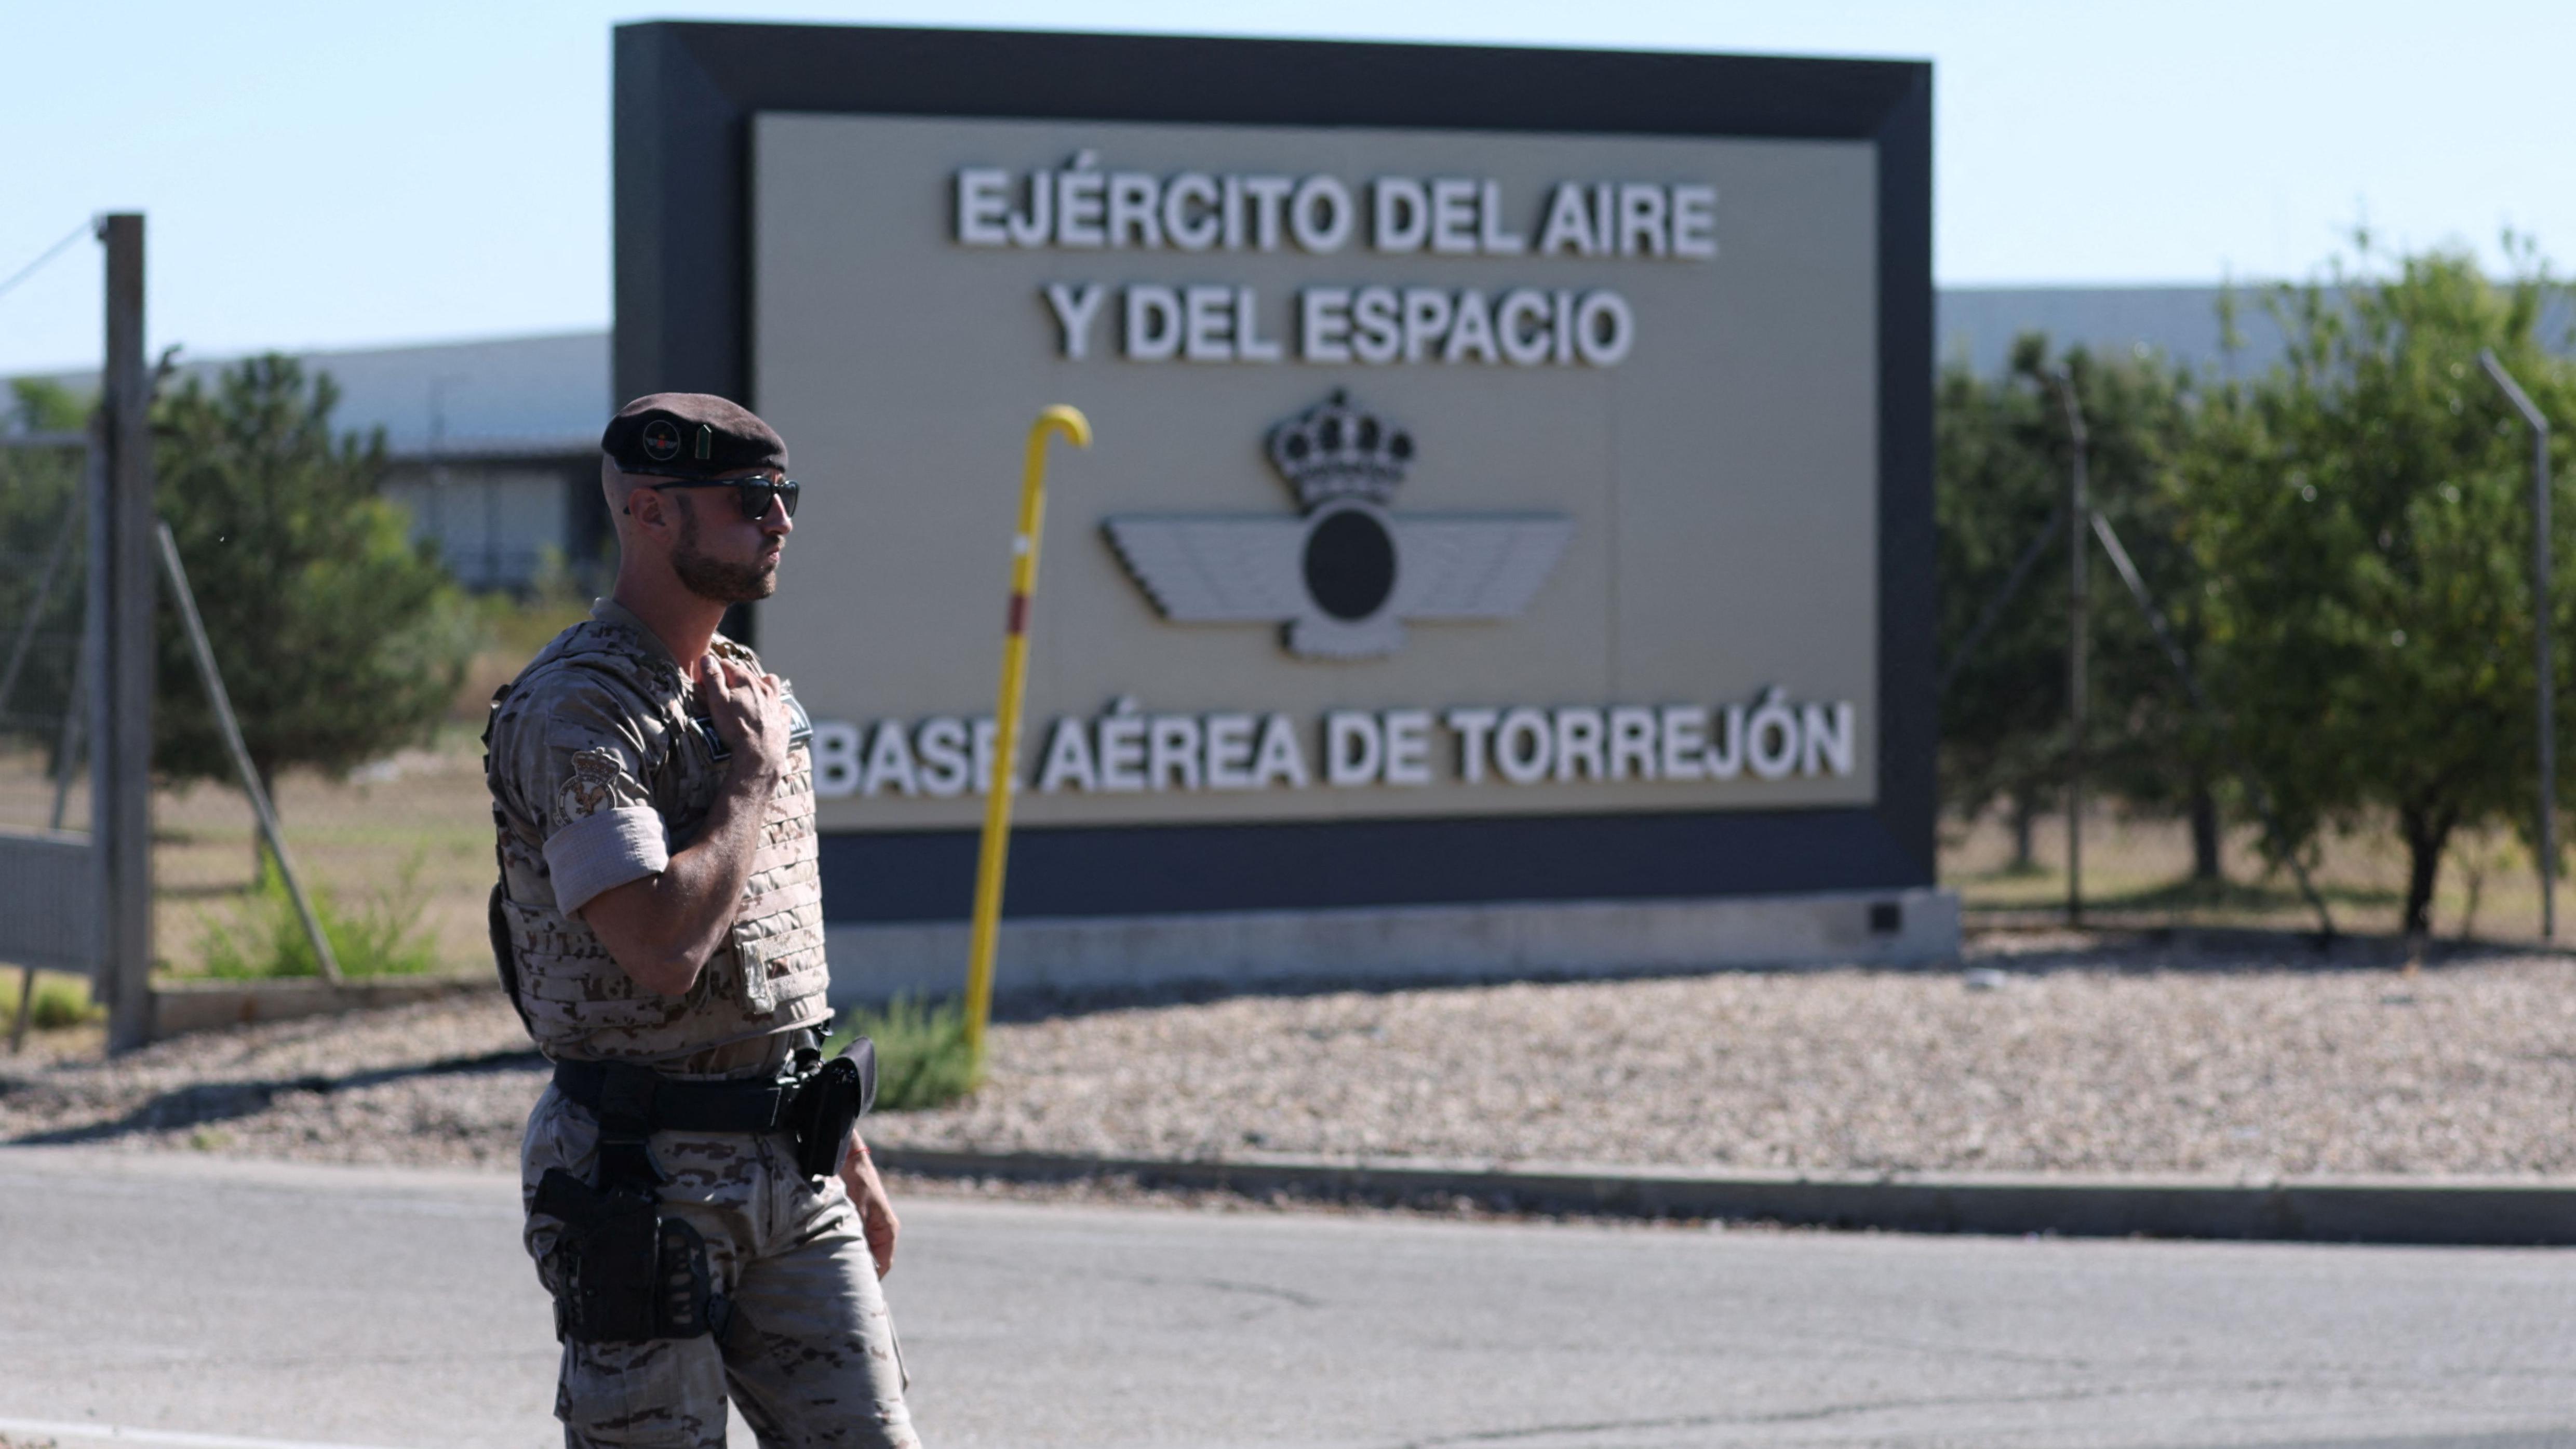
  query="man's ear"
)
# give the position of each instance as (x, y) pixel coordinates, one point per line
(648, 508)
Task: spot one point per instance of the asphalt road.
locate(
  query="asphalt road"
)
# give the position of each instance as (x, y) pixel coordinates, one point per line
(228, 1305)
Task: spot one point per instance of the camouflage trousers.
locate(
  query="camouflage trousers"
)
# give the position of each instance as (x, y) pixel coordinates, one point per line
(810, 1358)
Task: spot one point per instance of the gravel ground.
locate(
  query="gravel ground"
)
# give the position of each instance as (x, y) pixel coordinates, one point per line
(2049, 1054)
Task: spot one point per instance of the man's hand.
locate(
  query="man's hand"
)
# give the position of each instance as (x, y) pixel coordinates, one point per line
(876, 1211)
(662, 928)
(750, 715)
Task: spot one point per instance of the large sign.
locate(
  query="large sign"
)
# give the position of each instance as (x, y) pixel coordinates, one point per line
(1526, 444)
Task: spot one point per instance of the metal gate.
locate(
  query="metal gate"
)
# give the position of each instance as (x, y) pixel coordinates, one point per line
(49, 875)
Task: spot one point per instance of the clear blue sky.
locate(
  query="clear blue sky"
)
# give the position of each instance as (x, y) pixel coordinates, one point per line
(324, 175)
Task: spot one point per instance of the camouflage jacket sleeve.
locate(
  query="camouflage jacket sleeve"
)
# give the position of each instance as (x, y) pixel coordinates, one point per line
(574, 758)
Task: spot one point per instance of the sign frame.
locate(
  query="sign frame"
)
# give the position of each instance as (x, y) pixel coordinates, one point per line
(685, 95)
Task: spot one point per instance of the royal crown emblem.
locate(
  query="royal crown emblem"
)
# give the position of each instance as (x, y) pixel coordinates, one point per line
(1345, 576)
(1333, 451)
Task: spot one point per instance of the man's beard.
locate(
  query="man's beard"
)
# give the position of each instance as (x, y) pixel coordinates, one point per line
(709, 578)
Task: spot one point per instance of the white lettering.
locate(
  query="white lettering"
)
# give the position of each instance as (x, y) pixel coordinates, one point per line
(1567, 229)
(1032, 227)
(1279, 757)
(1172, 750)
(1578, 742)
(1230, 207)
(1632, 742)
(1269, 197)
(1426, 317)
(1189, 211)
(940, 742)
(1132, 198)
(1229, 752)
(1641, 221)
(1377, 334)
(988, 738)
(1473, 727)
(1121, 750)
(1068, 759)
(889, 764)
(1249, 344)
(1153, 323)
(1207, 324)
(1771, 737)
(1695, 221)
(1074, 309)
(835, 747)
(1604, 328)
(1354, 749)
(1828, 739)
(982, 206)
(1079, 204)
(1399, 214)
(1491, 239)
(1520, 326)
(1523, 746)
(1471, 336)
(1453, 216)
(1685, 741)
(1324, 324)
(1322, 215)
(1726, 756)
(1408, 746)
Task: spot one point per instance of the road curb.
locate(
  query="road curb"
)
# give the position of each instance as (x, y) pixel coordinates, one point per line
(2454, 1211)
(182, 1007)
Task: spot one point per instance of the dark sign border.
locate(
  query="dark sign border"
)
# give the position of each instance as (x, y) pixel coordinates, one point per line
(685, 98)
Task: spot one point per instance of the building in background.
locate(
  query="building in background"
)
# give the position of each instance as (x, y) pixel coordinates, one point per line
(494, 446)
(495, 443)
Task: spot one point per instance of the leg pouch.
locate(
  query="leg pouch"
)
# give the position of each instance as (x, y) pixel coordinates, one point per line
(624, 1271)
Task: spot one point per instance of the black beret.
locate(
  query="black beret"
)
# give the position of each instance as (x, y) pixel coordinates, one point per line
(691, 435)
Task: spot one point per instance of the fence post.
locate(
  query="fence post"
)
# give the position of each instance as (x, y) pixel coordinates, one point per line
(122, 597)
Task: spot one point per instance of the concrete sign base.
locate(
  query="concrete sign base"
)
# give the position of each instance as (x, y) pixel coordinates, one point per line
(1384, 946)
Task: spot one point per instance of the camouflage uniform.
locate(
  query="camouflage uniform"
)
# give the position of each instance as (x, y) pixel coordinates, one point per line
(596, 775)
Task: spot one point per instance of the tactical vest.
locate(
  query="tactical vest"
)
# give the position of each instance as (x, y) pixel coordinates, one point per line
(768, 978)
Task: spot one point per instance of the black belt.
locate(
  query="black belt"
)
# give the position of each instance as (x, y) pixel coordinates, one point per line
(620, 1089)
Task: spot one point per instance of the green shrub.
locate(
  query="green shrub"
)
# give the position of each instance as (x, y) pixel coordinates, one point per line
(60, 1001)
(382, 936)
(922, 1056)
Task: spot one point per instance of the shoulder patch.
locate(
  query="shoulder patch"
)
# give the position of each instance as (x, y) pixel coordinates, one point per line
(590, 787)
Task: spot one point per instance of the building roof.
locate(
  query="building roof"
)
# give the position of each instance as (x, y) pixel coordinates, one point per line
(486, 398)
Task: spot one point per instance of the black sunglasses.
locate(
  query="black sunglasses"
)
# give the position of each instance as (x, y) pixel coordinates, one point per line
(755, 492)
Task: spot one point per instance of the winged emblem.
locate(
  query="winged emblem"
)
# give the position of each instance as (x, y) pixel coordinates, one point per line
(1344, 576)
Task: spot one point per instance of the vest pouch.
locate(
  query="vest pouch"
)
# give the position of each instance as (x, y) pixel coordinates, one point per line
(751, 955)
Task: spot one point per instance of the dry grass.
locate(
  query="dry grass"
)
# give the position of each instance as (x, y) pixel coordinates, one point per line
(352, 838)
(2137, 872)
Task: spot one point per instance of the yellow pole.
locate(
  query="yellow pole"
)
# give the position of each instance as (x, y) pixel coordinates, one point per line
(1006, 717)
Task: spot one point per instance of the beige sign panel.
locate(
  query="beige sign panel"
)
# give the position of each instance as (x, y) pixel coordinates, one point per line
(1437, 473)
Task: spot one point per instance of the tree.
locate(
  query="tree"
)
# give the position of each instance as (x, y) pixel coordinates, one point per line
(338, 640)
(2003, 450)
(2362, 513)
(42, 549)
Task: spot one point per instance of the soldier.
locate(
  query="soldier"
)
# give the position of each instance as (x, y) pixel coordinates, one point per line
(700, 1203)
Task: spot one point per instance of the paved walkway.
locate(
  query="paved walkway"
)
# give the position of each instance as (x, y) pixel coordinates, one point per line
(213, 1303)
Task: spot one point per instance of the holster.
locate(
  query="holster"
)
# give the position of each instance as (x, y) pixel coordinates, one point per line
(829, 1103)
